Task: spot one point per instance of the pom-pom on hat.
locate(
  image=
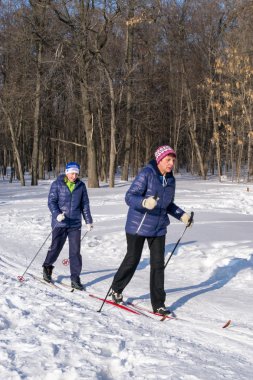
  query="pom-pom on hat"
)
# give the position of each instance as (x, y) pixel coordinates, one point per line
(72, 167)
(162, 152)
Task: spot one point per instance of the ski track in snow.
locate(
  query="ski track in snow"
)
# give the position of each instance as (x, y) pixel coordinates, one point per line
(50, 333)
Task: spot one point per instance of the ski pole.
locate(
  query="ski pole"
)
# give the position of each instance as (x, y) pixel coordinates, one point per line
(101, 307)
(141, 223)
(21, 278)
(84, 235)
(188, 225)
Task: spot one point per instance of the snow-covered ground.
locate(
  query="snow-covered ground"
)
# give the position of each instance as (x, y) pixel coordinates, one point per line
(52, 334)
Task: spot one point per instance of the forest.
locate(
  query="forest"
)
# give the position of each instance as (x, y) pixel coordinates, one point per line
(106, 82)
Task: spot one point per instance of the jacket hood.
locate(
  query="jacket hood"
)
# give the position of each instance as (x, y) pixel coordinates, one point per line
(153, 165)
(61, 177)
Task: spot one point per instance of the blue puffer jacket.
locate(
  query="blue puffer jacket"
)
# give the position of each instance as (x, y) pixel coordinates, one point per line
(74, 204)
(151, 222)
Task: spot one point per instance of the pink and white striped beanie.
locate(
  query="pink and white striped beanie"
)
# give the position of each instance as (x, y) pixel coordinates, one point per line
(162, 152)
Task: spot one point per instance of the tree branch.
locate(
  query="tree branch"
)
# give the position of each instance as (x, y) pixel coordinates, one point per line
(68, 142)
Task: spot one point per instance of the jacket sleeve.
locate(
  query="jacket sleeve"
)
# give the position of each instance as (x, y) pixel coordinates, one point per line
(136, 193)
(53, 198)
(175, 211)
(86, 206)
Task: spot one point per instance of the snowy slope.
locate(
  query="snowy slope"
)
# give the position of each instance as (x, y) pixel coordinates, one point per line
(50, 333)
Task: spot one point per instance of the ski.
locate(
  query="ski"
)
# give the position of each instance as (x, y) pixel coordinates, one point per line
(123, 305)
(120, 305)
(64, 286)
(40, 279)
(146, 310)
(131, 308)
(169, 316)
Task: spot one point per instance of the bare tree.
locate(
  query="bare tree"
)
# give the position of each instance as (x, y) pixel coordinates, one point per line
(14, 143)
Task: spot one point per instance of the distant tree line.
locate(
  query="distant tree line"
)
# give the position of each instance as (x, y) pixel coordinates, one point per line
(105, 82)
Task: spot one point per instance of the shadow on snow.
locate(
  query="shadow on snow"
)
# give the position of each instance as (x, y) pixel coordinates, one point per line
(220, 277)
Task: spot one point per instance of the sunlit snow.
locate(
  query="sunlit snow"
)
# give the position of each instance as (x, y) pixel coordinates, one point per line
(52, 334)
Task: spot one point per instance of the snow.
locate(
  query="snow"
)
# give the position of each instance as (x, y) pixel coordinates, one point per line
(52, 334)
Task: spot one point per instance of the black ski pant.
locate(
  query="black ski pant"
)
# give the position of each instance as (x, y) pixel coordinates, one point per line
(130, 262)
(59, 236)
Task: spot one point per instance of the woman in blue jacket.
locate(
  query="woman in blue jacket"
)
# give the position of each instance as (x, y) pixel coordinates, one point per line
(150, 199)
(68, 201)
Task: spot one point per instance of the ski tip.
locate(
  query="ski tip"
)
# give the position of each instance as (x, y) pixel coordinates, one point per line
(228, 323)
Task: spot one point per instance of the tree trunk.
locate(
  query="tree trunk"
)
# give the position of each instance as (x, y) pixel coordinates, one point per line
(239, 159)
(41, 164)
(35, 153)
(129, 63)
(249, 163)
(88, 125)
(197, 150)
(103, 166)
(14, 145)
(147, 145)
(250, 135)
(216, 140)
(113, 151)
(192, 131)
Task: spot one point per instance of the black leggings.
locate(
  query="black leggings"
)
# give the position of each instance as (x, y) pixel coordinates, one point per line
(130, 262)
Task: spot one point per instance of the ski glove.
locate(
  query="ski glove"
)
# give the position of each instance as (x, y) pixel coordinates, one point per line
(89, 227)
(60, 217)
(150, 203)
(185, 218)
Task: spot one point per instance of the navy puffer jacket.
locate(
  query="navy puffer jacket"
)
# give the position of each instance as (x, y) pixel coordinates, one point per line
(74, 204)
(151, 222)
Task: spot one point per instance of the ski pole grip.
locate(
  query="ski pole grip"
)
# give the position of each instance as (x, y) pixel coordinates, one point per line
(191, 219)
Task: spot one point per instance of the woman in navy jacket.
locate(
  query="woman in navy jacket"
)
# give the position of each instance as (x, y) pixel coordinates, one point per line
(68, 201)
(150, 199)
